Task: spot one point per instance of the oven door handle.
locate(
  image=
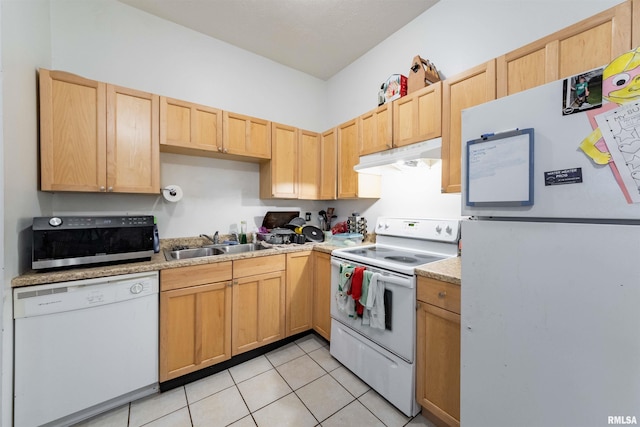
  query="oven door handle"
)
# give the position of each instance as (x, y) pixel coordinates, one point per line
(406, 282)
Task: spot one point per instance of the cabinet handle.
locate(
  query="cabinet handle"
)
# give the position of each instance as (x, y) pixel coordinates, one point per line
(102, 188)
(442, 294)
(110, 189)
(229, 284)
(220, 149)
(418, 306)
(235, 282)
(225, 150)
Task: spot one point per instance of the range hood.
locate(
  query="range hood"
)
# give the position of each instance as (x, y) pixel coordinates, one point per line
(401, 157)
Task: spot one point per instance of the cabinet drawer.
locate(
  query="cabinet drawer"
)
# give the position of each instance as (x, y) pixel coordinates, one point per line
(441, 294)
(183, 277)
(258, 265)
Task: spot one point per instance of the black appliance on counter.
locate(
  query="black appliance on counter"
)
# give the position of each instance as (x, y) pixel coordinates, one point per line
(68, 241)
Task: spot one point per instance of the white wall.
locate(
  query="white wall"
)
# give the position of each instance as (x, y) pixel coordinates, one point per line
(455, 35)
(25, 38)
(113, 42)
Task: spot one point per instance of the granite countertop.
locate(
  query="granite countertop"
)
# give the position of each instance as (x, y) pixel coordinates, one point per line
(157, 262)
(447, 270)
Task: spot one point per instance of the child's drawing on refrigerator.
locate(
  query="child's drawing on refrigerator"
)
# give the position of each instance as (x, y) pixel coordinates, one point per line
(621, 132)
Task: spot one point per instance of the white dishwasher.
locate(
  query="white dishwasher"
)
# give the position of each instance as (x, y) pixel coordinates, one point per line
(84, 347)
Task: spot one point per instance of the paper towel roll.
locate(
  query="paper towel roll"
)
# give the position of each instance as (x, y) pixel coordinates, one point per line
(172, 193)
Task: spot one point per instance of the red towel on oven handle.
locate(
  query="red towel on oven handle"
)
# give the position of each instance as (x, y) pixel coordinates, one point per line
(356, 288)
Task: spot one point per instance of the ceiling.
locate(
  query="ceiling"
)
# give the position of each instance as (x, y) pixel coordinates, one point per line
(317, 37)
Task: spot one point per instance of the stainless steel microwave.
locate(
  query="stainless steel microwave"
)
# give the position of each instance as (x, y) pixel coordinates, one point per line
(65, 241)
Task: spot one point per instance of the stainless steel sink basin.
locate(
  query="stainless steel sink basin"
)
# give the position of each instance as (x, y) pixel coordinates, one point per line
(209, 250)
(237, 249)
(187, 253)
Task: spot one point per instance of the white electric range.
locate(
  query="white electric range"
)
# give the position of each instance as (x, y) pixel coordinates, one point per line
(384, 358)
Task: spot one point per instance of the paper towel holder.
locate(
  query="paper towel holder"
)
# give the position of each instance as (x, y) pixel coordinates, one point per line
(172, 193)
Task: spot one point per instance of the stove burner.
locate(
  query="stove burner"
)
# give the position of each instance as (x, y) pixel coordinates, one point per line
(359, 252)
(404, 259)
(377, 249)
(430, 258)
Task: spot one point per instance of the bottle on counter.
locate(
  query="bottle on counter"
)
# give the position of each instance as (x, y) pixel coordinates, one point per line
(156, 236)
(243, 231)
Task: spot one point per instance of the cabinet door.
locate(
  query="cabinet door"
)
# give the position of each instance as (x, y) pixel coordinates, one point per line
(188, 126)
(635, 23)
(588, 44)
(309, 161)
(328, 165)
(473, 87)
(299, 316)
(258, 311)
(322, 294)
(418, 116)
(72, 133)
(246, 136)
(347, 159)
(279, 177)
(133, 144)
(195, 328)
(438, 363)
(376, 130)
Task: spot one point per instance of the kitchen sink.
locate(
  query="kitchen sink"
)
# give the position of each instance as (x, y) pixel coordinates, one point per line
(237, 249)
(209, 250)
(187, 253)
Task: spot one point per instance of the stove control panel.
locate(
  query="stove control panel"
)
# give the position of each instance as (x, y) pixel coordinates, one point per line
(445, 230)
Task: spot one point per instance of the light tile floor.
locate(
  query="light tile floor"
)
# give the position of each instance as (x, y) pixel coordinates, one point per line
(298, 385)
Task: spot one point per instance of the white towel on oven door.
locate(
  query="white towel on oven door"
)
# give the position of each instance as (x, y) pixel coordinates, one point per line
(374, 308)
(344, 302)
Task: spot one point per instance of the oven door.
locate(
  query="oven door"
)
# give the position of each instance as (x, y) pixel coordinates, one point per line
(400, 311)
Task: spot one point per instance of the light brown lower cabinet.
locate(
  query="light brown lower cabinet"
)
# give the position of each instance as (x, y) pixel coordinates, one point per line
(322, 294)
(195, 318)
(299, 292)
(438, 351)
(258, 306)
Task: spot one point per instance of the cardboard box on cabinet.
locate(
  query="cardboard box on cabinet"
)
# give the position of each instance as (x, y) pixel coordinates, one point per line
(393, 88)
(422, 73)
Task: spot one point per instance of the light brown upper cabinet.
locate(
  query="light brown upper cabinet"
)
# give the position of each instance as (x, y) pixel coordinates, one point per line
(96, 137)
(246, 136)
(470, 88)
(328, 165)
(352, 185)
(587, 44)
(133, 149)
(418, 116)
(309, 165)
(187, 128)
(635, 24)
(376, 130)
(279, 176)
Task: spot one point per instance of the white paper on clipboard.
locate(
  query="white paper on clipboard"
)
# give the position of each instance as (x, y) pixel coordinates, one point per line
(499, 169)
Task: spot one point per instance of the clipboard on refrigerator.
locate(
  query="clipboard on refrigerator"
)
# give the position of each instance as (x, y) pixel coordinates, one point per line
(500, 169)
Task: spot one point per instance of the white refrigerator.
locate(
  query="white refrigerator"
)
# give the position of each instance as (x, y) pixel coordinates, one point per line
(550, 291)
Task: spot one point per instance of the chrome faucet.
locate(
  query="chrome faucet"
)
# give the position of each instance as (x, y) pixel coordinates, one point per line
(235, 236)
(215, 239)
